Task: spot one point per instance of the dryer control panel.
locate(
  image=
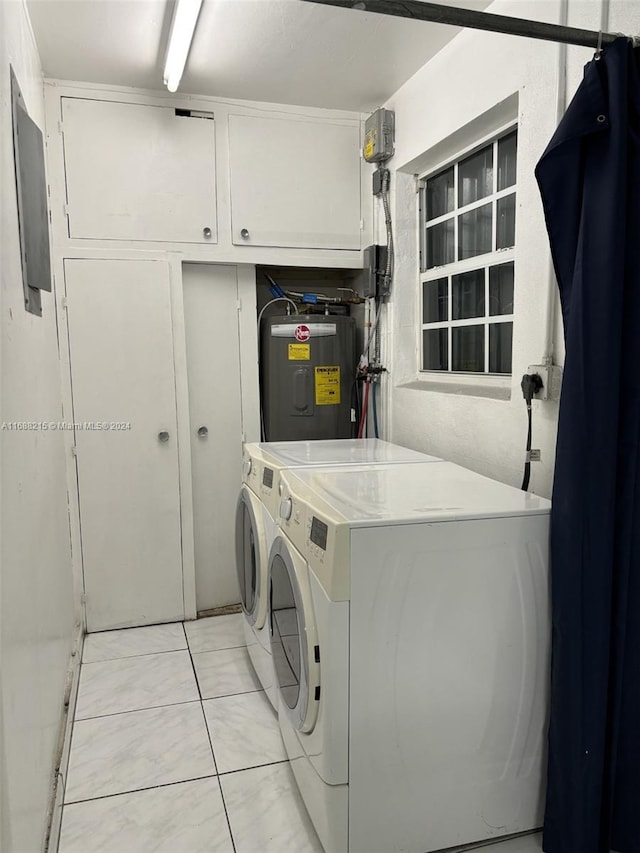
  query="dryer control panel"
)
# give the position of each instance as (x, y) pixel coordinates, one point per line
(320, 535)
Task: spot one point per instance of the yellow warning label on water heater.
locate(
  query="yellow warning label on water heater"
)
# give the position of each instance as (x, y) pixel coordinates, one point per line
(299, 352)
(327, 386)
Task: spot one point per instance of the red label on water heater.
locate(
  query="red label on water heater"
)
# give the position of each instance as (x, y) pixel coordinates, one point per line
(302, 333)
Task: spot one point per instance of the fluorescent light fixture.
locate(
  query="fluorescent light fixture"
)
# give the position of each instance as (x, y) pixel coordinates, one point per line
(183, 25)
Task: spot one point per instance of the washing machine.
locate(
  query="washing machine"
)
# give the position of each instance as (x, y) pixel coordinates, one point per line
(257, 511)
(410, 635)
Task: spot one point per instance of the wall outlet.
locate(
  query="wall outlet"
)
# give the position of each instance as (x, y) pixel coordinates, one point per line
(551, 375)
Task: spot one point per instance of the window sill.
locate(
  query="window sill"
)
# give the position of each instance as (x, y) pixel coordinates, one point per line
(468, 385)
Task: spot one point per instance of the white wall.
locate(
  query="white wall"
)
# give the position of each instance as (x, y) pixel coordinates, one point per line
(37, 622)
(465, 81)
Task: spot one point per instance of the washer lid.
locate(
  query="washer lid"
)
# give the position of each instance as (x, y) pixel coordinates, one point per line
(362, 496)
(355, 451)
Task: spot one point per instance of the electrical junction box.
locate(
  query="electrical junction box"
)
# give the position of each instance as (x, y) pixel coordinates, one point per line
(379, 136)
(375, 264)
(551, 375)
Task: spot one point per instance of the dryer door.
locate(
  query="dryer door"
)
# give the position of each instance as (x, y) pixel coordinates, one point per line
(251, 557)
(294, 642)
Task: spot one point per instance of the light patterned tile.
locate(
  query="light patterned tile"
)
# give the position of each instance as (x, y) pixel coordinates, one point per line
(225, 672)
(188, 817)
(141, 749)
(130, 684)
(244, 731)
(266, 812)
(216, 632)
(128, 642)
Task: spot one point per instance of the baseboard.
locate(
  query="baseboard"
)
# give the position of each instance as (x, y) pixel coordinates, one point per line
(64, 747)
(220, 611)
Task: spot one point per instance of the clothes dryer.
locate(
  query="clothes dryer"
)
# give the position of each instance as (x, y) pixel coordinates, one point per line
(257, 511)
(410, 638)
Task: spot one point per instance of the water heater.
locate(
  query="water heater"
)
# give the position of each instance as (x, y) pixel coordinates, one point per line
(307, 369)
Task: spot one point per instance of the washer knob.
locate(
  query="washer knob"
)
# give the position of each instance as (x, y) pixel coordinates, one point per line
(286, 508)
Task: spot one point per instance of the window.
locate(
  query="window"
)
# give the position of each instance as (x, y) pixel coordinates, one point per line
(467, 223)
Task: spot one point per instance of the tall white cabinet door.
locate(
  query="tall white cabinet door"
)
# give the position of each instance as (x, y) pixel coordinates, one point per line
(295, 182)
(139, 172)
(122, 372)
(213, 368)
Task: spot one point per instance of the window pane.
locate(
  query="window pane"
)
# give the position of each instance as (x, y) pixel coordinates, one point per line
(507, 161)
(435, 301)
(440, 194)
(474, 232)
(440, 244)
(500, 338)
(506, 226)
(434, 349)
(501, 289)
(467, 348)
(475, 177)
(467, 295)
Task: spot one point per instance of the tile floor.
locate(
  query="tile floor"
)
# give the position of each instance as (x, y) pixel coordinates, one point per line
(176, 749)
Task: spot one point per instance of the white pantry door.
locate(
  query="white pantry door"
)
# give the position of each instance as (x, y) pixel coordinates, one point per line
(215, 412)
(122, 374)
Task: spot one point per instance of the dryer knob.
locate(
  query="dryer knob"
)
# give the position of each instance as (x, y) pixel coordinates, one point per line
(246, 467)
(286, 508)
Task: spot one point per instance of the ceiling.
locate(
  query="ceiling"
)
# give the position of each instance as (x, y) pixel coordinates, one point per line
(283, 51)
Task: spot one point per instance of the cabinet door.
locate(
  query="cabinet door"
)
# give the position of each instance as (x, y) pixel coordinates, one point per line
(295, 183)
(122, 372)
(137, 172)
(215, 410)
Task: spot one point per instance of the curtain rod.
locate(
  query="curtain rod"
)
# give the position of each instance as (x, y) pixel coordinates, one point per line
(423, 11)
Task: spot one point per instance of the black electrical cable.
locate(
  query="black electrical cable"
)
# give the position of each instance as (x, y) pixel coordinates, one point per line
(527, 464)
(375, 409)
(531, 384)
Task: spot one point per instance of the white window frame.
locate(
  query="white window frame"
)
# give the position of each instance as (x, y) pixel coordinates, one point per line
(484, 261)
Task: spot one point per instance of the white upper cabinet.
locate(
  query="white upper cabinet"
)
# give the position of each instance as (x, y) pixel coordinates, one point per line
(295, 182)
(136, 172)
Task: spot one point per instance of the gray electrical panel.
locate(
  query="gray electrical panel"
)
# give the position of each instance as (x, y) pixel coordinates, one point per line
(379, 136)
(307, 370)
(31, 192)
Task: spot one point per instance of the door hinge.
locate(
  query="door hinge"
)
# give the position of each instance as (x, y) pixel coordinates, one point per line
(362, 224)
(239, 305)
(63, 303)
(74, 451)
(60, 127)
(65, 208)
(418, 183)
(83, 598)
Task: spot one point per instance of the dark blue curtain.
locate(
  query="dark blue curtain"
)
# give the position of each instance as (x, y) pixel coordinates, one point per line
(589, 178)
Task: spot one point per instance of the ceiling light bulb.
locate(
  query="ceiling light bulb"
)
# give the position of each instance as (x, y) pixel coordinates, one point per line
(183, 25)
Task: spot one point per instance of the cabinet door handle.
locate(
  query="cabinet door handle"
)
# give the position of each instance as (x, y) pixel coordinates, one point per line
(163, 436)
(245, 233)
(207, 232)
(203, 432)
